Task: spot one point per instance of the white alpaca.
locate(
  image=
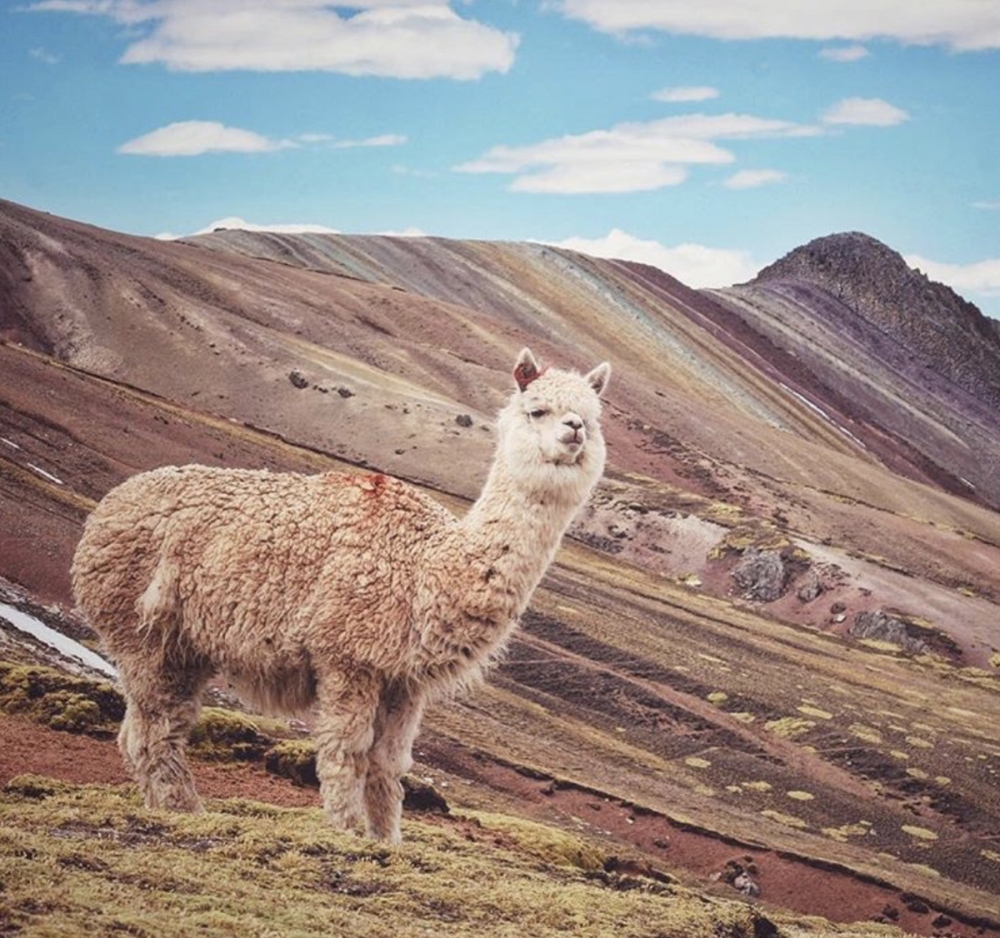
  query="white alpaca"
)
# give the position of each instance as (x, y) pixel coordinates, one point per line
(355, 593)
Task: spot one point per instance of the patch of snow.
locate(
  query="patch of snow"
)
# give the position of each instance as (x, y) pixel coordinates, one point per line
(44, 474)
(61, 643)
(10, 443)
(822, 413)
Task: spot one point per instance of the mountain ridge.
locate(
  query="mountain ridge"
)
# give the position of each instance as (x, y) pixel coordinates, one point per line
(927, 316)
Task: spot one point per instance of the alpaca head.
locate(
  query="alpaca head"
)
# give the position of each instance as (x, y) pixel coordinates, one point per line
(550, 432)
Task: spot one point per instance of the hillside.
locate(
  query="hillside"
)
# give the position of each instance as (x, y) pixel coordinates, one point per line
(783, 473)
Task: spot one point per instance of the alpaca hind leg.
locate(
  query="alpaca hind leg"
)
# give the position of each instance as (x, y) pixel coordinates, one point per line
(153, 738)
(344, 732)
(396, 727)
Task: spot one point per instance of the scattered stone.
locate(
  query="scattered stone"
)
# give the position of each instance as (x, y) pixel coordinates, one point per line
(298, 379)
(883, 627)
(740, 875)
(915, 903)
(812, 587)
(761, 575)
(419, 796)
(345, 392)
(942, 921)
(743, 883)
(838, 608)
(464, 420)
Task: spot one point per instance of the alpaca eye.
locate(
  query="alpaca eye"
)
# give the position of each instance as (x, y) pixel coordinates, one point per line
(537, 413)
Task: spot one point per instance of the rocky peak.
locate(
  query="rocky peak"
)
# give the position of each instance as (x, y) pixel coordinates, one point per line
(927, 317)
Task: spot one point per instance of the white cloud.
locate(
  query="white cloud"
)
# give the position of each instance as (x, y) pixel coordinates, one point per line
(872, 112)
(387, 38)
(844, 53)
(753, 178)
(43, 55)
(596, 178)
(693, 264)
(988, 206)
(235, 223)
(192, 138)
(979, 277)
(405, 233)
(630, 157)
(685, 94)
(961, 25)
(383, 140)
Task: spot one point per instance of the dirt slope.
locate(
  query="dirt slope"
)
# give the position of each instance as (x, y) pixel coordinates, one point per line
(645, 672)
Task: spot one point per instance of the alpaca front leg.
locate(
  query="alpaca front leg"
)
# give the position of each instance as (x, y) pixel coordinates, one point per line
(344, 732)
(396, 726)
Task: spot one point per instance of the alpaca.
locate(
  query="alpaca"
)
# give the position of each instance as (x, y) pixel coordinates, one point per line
(356, 594)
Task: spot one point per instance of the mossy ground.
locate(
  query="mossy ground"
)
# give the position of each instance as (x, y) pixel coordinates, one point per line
(81, 861)
(60, 700)
(76, 862)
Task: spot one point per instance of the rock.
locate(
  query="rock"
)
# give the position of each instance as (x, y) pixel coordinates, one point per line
(761, 575)
(464, 420)
(420, 796)
(811, 587)
(298, 379)
(883, 627)
(745, 884)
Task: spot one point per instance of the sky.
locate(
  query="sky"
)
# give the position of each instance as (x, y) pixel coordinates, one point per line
(706, 137)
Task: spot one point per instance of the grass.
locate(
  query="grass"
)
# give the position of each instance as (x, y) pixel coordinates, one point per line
(80, 861)
(247, 870)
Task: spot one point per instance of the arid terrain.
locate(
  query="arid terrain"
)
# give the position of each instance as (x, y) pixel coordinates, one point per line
(771, 643)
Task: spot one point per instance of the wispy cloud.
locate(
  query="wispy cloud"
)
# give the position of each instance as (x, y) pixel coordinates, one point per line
(873, 112)
(387, 38)
(695, 265)
(988, 206)
(852, 53)
(961, 25)
(979, 277)
(684, 94)
(44, 56)
(754, 178)
(193, 138)
(629, 157)
(383, 140)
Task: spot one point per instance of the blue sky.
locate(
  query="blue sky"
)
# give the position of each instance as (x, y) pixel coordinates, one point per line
(708, 138)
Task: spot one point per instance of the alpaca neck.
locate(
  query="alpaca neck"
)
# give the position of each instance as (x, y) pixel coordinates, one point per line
(518, 528)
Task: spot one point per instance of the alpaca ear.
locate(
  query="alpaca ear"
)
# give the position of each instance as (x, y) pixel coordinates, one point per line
(526, 369)
(598, 378)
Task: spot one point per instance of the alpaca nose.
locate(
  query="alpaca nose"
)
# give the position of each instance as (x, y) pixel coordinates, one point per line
(573, 422)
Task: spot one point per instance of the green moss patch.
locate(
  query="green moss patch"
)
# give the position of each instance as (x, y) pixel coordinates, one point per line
(59, 700)
(83, 861)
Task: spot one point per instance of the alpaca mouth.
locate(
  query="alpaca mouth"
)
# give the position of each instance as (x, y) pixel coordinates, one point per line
(573, 450)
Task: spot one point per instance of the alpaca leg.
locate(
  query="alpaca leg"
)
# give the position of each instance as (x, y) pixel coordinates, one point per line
(153, 738)
(396, 727)
(344, 731)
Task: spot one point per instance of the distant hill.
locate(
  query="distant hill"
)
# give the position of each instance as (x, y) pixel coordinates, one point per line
(927, 317)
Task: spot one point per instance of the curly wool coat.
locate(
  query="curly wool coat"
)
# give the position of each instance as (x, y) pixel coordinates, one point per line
(356, 592)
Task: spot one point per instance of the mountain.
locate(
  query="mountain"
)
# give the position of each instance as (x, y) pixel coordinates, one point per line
(928, 319)
(776, 624)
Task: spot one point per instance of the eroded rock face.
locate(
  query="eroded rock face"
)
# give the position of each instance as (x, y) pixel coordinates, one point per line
(925, 316)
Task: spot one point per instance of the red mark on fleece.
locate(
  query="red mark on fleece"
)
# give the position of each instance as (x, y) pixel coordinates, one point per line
(372, 485)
